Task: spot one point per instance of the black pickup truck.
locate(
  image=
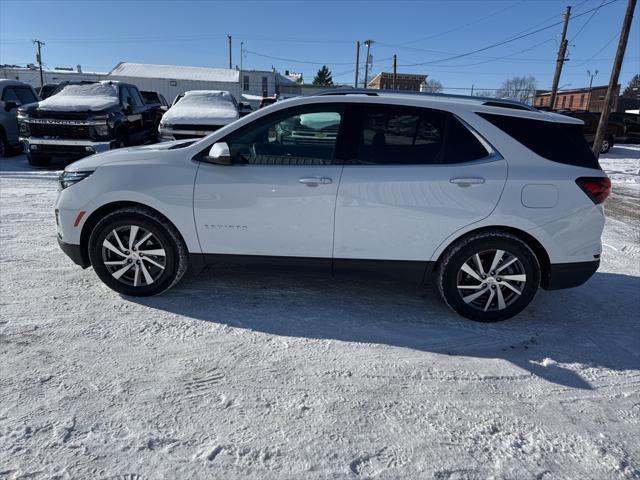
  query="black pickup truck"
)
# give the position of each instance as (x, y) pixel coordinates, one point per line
(83, 119)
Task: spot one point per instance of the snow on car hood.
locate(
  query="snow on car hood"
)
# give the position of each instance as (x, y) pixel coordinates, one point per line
(206, 107)
(82, 98)
(124, 155)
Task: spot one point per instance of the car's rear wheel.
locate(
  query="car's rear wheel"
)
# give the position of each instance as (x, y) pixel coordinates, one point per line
(489, 276)
(136, 252)
(606, 145)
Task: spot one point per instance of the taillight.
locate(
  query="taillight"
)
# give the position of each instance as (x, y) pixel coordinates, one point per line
(596, 188)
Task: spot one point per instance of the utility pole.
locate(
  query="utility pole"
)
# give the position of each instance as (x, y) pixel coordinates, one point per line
(472, 89)
(395, 70)
(39, 59)
(366, 63)
(230, 62)
(613, 81)
(561, 58)
(240, 75)
(357, 62)
(590, 84)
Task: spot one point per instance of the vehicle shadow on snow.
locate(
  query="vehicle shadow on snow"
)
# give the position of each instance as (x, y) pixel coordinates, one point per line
(595, 325)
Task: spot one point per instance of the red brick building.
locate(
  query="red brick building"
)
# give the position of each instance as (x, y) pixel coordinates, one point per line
(577, 99)
(404, 81)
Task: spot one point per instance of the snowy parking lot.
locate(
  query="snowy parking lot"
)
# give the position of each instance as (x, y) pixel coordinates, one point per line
(235, 374)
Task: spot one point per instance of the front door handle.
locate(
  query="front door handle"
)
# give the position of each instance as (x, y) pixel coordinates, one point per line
(315, 181)
(467, 181)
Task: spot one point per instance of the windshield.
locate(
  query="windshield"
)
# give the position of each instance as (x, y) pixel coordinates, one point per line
(209, 99)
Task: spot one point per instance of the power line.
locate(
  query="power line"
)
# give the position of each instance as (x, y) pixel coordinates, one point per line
(491, 15)
(291, 60)
(598, 52)
(587, 22)
(513, 39)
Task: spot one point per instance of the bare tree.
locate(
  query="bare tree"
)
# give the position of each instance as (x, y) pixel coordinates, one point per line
(522, 89)
(432, 86)
(484, 93)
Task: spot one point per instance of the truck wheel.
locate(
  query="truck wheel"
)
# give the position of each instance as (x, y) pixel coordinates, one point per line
(489, 276)
(136, 252)
(607, 143)
(38, 160)
(5, 148)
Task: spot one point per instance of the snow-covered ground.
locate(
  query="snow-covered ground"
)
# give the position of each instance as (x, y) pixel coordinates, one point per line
(241, 375)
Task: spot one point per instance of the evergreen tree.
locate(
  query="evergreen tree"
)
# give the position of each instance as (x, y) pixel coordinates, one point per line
(323, 77)
(633, 89)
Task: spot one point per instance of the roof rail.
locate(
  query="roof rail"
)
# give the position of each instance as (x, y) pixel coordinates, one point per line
(489, 101)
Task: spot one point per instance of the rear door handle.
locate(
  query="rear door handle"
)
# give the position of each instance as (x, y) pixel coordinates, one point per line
(467, 181)
(315, 181)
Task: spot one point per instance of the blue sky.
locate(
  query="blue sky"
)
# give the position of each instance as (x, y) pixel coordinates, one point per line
(99, 34)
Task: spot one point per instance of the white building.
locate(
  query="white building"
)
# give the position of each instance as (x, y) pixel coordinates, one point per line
(31, 75)
(169, 80)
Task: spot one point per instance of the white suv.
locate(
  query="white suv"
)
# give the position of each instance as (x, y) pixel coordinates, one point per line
(490, 198)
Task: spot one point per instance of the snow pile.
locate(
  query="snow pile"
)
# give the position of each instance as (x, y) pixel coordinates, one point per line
(80, 98)
(203, 107)
(237, 374)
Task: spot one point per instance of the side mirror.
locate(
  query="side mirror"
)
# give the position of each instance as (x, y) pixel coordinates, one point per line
(8, 106)
(128, 108)
(219, 154)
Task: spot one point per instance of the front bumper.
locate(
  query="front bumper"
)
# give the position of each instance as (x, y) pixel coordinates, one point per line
(74, 252)
(569, 275)
(64, 147)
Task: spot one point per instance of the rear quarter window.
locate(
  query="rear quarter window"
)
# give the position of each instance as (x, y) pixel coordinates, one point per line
(558, 142)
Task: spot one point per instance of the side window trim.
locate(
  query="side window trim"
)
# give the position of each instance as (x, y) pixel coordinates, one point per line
(354, 115)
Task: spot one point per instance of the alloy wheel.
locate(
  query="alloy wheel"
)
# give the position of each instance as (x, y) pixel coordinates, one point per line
(133, 255)
(491, 280)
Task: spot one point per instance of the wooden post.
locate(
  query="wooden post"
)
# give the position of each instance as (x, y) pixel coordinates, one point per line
(613, 81)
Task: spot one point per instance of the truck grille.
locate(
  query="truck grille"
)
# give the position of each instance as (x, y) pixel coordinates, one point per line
(60, 131)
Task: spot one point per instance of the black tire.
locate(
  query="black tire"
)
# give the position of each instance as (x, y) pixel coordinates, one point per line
(38, 160)
(607, 143)
(5, 147)
(164, 236)
(486, 244)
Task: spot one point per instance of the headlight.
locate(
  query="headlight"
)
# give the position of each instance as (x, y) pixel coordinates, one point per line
(101, 130)
(67, 179)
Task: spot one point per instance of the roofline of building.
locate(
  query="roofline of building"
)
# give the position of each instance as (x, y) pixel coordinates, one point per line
(574, 90)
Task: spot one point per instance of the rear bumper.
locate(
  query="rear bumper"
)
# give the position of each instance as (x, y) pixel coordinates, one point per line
(74, 252)
(569, 275)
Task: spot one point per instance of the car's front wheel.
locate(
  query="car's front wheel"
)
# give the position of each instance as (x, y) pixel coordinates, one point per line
(489, 276)
(136, 252)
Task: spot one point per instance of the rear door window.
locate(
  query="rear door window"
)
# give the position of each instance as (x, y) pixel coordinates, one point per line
(393, 135)
(558, 142)
(396, 135)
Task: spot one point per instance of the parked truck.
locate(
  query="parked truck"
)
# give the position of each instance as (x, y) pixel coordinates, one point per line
(13, 94)
(83, 119)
